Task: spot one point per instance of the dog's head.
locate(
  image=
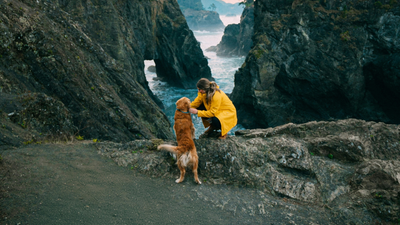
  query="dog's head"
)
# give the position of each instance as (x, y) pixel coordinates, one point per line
(183, 104)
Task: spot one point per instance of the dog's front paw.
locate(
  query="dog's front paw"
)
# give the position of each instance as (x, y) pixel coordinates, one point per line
(199, 182)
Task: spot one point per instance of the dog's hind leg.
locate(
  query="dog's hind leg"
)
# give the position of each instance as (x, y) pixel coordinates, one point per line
(194, 169)
(182, 169)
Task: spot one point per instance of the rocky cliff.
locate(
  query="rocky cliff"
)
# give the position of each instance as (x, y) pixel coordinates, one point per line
(237, 38)
(321, 60)
(198, 18)
(349, 167)
(77, 67)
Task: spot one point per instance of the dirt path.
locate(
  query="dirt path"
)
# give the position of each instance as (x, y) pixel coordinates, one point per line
(72, 184)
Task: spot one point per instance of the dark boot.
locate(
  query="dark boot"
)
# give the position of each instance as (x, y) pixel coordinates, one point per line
(209, 130)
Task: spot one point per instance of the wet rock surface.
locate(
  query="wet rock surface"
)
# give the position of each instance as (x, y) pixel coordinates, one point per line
(320, 60)
(350, 167)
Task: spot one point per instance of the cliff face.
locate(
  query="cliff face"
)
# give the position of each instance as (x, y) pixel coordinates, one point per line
(86, 60)
(198, 18)
(321, 60)
(236, 40)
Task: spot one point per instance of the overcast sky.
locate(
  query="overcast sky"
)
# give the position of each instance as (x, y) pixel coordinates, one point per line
(232, 1)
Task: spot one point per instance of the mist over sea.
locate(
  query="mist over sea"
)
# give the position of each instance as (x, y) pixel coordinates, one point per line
(222, 69)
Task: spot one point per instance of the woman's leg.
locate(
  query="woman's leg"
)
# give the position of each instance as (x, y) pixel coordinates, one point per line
(214, 121)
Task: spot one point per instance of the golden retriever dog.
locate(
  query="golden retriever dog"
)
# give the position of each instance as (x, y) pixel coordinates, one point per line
(185, 152)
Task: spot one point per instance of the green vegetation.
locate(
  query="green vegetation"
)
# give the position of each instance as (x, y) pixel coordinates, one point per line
(23, 125)
(330, 156)
(154, 144)
(386, 6)
(246, 3)
(28, 142)
(258, 53)
(378, 4)
(79, 137)
(378, 195)
(345, 36)
(179, 20)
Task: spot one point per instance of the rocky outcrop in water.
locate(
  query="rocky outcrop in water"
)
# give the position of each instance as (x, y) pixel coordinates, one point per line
(79, 65)
(203, 20)
(236, 40)
(321, 60)
(224, 8)
(199, 19)
(349, 166)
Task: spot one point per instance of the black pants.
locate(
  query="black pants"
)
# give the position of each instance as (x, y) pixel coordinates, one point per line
(214, 120)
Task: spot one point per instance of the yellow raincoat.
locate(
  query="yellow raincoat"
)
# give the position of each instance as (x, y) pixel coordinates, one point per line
(220, 106)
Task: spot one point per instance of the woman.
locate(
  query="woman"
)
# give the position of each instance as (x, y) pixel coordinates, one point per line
(214, 107)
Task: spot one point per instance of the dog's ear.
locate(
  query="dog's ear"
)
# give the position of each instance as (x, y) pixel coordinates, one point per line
(187, 104)
(181, 104)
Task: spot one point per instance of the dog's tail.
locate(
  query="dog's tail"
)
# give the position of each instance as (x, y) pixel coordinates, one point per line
(169, 148)
(184, 159)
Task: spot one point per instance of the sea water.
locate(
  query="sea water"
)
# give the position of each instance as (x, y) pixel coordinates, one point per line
(222, 69)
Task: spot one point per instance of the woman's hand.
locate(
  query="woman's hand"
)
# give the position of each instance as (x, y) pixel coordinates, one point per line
(193, 110)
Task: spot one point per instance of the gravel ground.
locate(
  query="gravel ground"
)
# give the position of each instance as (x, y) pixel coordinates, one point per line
(73, 184)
